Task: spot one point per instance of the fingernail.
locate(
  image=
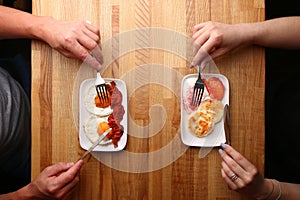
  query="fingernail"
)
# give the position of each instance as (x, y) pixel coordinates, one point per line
(221, 151)
(192, 65)
(224, 146)
(70, 164)
(80, 162)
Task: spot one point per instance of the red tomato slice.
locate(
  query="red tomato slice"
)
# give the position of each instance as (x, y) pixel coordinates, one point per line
(216, 88)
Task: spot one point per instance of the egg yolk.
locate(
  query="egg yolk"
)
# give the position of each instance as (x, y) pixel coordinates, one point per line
(102, 104)
(102, 127)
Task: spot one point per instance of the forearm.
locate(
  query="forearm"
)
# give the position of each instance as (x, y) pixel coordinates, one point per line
(290, 191)
(277, 33)
(24, 193)
(273, 189)
(18, 24)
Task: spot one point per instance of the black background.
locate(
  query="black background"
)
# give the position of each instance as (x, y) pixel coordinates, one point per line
(282, 102)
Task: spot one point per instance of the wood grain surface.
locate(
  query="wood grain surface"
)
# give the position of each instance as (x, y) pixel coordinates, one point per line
(153, 77)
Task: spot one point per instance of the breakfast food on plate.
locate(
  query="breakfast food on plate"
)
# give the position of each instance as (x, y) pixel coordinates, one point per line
(201, 122)
(104, 116)
(188, 95)
(94, 127)
(116, 103)
(202, 119)
(93, 105)
(100, 103)
(214, 89)
(117, 130)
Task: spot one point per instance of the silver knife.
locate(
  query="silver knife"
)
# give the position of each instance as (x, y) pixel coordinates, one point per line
(227, 124)
(101, 137)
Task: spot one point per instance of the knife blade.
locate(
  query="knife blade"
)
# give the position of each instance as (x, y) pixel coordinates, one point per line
(101, 137)
(226, 120)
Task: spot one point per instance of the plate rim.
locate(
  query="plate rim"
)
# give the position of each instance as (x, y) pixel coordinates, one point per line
(81, 133)
(192, 144)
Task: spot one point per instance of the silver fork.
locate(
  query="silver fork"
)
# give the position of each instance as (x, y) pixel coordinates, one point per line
(198, 89)
(101, 89)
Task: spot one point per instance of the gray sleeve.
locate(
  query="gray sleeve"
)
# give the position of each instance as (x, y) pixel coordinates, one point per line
(14, 118)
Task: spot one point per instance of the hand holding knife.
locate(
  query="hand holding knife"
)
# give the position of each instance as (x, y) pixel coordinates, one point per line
(101, 137)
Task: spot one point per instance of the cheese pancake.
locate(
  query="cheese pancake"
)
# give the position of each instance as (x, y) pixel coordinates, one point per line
(201, 122)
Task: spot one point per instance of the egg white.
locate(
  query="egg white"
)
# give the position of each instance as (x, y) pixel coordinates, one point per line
(91, 126)
(89, 103)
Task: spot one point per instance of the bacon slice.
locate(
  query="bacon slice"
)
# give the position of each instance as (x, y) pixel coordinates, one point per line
(114, 120)
(117, 130)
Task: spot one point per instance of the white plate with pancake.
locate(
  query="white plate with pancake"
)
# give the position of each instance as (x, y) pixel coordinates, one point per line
(85, 114)
(217, 135)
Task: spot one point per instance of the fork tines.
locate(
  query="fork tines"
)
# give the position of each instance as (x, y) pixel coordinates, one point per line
(197, 95)
(102, 93)
(198, 89)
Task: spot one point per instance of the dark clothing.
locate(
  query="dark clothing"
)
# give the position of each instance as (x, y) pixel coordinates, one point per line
(15, 58)
(15, 118)
(282, 103)
(15, 131)
(15, 136)
(282, 115)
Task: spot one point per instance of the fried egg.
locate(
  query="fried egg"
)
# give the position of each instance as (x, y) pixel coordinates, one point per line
(93, 126)
(89, 103)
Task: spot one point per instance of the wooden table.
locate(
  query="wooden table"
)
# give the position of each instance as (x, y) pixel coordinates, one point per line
(55, 90)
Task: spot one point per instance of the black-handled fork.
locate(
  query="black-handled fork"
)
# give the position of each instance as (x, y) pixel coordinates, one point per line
(198, 89)
(101, 89)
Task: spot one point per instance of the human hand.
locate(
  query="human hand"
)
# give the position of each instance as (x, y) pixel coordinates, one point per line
(241, 175)
(74, 39)
(56, 182)
(216, 39)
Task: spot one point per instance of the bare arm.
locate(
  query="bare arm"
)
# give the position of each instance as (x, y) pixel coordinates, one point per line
(290, 191)
(278, 33)
(16, 24)
(73, 39)
(249, 181)
(218, 39)
(55, 182)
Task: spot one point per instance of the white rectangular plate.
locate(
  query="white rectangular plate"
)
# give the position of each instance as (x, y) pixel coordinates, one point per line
(217, 136)
(84, 114)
